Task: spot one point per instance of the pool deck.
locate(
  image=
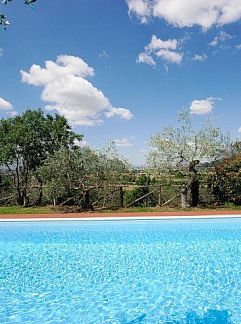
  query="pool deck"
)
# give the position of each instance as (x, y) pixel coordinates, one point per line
(205, 213)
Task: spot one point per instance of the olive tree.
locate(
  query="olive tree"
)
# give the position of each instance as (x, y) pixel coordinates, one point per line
(185, 147)
(68, 172)
(71, 175)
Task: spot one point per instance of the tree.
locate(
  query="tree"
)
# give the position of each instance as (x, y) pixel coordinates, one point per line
(68, 172)
(71, 175)
(27, 140)
(3, 19)
(185, 147)
(225, 183)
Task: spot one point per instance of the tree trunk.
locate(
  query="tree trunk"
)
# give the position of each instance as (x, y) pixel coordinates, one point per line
(184, 203)
(18, 186)
(19, 197)
(160, 197)
(25, 198)
(40, 197)
(194, 183)
(194, 187)
(87, 204)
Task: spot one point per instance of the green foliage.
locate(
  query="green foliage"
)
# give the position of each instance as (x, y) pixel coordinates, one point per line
(68, 170)
(112, 165)
(144, 182)
(70, 173)
(225, 184)
(182, 145)
(27, 140)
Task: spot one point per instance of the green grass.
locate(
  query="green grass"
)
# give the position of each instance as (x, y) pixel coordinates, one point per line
(50, 210)
(231, 206)
(167, 209)
(26, 210)
(140, 210)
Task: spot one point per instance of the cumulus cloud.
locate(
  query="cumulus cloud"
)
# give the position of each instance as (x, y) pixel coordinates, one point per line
(204, 106)
(167, 50)
(67, 91)
(123, 142)
(200, 58)
(6, 107)
(220, 38)
(239, 130)
(186, 13)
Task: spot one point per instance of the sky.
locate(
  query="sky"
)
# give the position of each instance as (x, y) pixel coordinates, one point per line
(121, 69)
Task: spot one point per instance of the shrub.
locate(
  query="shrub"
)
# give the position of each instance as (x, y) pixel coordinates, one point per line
(225, 183)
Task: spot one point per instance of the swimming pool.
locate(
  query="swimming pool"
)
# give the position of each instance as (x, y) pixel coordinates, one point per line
(177, 271)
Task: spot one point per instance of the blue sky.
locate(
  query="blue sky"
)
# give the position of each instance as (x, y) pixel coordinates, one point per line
(121, 69)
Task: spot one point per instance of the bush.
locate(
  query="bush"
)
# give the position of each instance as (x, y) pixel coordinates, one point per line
(144, 182)
(225, 184)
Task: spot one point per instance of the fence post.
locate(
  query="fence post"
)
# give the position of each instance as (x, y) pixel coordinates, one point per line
(121, 197)
(160, 196)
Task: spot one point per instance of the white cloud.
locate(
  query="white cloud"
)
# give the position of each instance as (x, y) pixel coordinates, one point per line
(141, 8)
(1, 52)
(239, 130)
(204, 106)
(67, 91)
(7, 107)
(121, 112)
(157, 43)
(170, 56)
(167, 50)
(220, 38)
(123, 142)
(200, 58)
(238, 46)
(145, 58)
(186, 13)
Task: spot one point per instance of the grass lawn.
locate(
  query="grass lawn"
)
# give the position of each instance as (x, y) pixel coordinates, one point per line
(26, 210)
(50, 210)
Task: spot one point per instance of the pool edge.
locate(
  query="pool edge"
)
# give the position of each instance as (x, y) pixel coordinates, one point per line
(119, 218)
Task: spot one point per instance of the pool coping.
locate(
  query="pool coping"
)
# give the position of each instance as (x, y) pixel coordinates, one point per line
(215, 214)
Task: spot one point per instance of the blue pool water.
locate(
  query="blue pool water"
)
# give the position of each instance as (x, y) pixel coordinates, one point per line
(172, 272)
